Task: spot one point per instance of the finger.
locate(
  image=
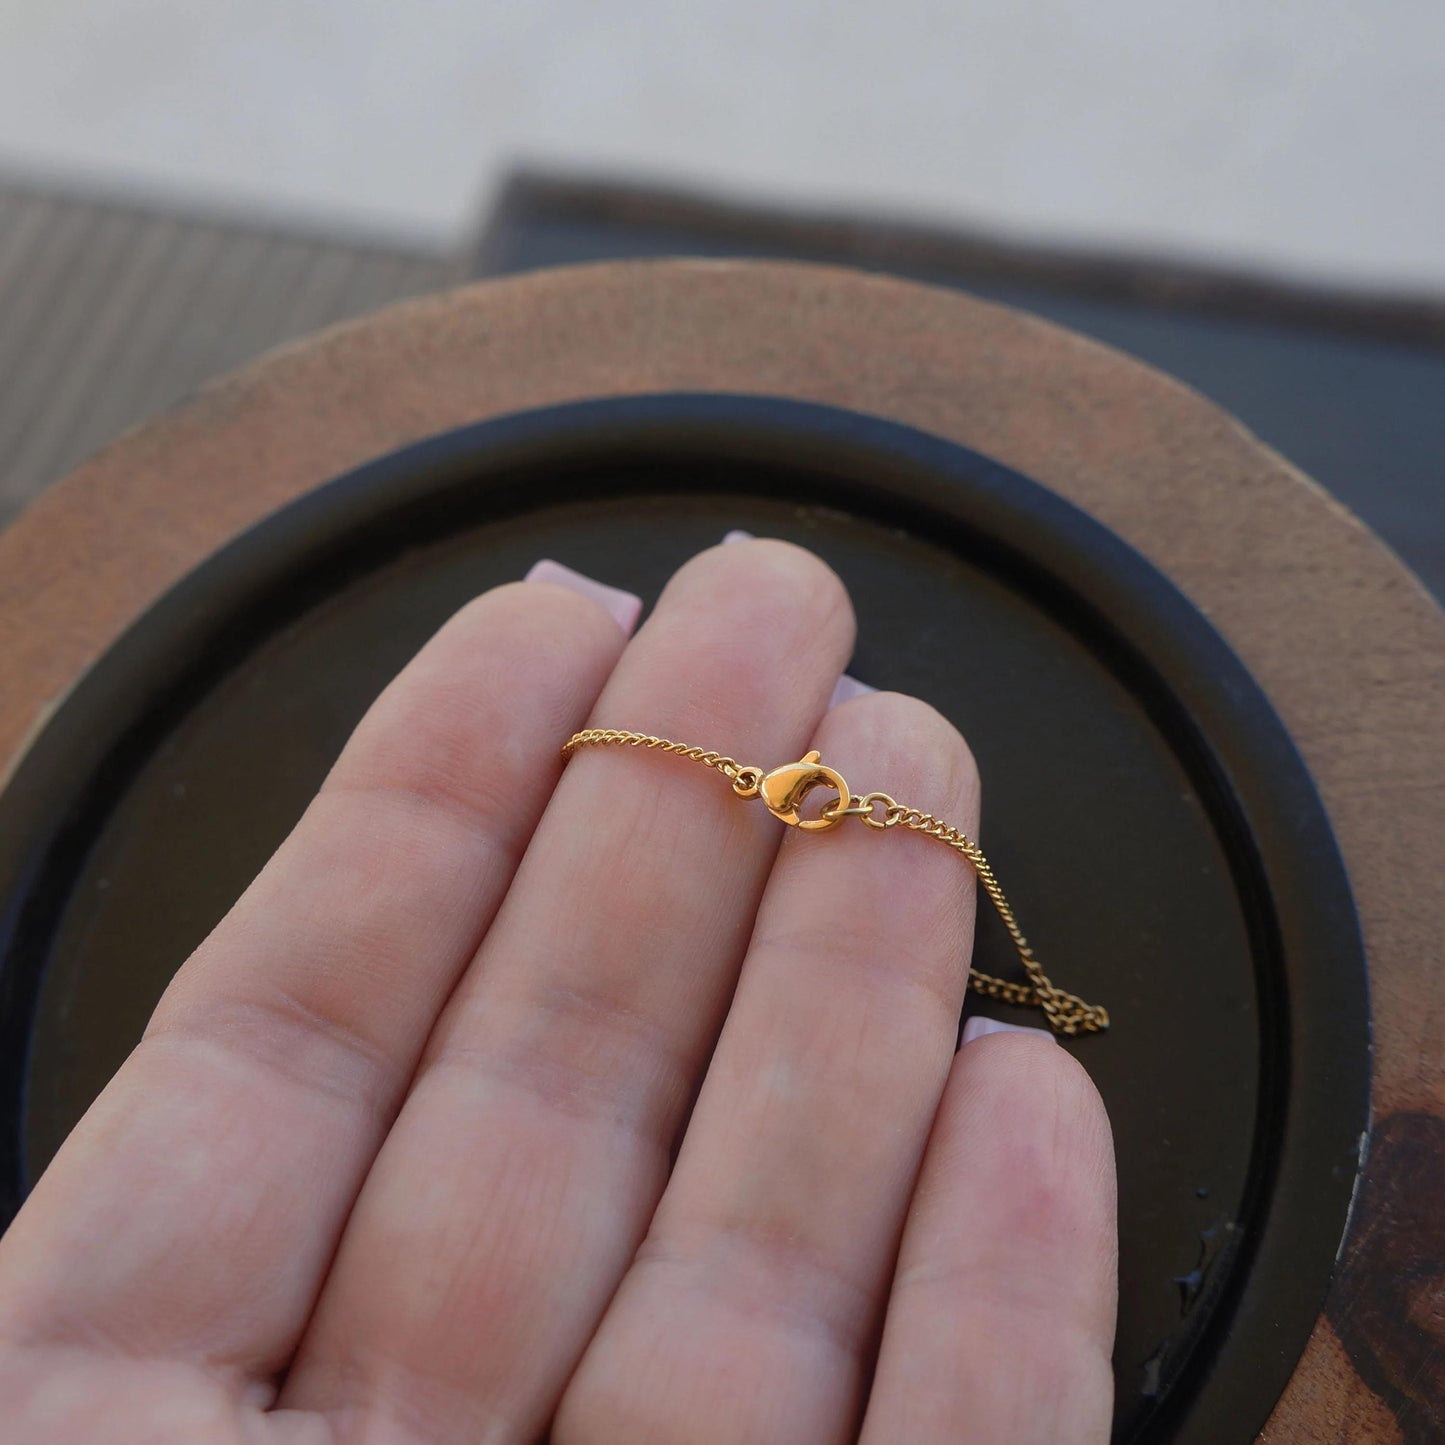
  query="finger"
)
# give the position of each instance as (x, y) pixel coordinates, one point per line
(846, 688)
(205, 1189)
(1001, 1319)
(769, 1258)
(528, 1159)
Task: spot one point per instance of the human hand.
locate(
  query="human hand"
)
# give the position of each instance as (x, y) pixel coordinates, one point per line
(506, 1101)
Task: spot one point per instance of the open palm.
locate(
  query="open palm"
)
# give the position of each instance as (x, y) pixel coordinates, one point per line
(511, 1101)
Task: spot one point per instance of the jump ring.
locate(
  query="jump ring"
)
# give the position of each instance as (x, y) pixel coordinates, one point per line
(746, 780)
(864, 808)
(869, 801)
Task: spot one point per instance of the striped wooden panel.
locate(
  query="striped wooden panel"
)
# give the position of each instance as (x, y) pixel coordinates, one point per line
(110, 313)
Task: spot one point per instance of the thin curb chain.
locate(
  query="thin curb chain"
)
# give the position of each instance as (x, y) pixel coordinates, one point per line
(1067, 1013)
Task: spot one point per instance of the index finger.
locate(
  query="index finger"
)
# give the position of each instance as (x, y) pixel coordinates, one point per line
(217, 1168)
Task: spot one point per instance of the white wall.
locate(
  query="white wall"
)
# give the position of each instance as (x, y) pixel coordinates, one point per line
(1306, 136)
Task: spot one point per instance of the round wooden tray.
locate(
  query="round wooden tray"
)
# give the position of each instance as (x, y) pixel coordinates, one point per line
(1346, 644)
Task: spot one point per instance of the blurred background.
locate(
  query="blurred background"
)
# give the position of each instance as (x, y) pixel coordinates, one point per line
(1249, 196)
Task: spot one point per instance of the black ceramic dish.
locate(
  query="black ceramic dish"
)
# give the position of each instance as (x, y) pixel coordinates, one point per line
(1153, 824)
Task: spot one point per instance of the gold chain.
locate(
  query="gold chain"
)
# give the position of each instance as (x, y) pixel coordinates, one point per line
(783, 790)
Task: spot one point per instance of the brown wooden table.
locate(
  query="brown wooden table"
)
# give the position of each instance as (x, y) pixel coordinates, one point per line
(1347, 644)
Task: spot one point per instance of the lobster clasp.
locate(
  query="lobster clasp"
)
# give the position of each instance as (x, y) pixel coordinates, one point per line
(784, 789)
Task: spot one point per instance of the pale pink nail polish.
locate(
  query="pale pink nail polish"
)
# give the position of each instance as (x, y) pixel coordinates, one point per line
(624, 607)
(848, 687)
(978, 1026)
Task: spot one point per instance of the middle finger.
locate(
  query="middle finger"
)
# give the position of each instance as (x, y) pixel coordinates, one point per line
(770, 1255)
(521, 1174)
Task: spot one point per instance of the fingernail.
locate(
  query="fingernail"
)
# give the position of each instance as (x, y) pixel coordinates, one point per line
(978, 1026)
(737, 536)
(848, 687)
(625, 608)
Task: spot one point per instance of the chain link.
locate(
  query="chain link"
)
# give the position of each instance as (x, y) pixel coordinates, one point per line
(728, 767)
(1066, 1013)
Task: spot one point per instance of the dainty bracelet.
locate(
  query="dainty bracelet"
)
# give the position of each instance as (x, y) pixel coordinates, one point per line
(783, 791)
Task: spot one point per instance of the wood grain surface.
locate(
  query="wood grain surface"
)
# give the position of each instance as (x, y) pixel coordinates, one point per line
(1346, 643)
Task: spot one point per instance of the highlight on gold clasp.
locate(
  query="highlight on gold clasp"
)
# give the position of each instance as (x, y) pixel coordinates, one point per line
(785, 788)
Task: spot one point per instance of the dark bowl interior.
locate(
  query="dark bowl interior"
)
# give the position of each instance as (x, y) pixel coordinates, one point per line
(1152, 822)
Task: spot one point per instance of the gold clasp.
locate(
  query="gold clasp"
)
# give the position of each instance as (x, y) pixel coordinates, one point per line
(784, 789)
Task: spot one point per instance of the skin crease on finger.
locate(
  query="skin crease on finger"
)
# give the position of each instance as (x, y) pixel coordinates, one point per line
(75, 1374)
